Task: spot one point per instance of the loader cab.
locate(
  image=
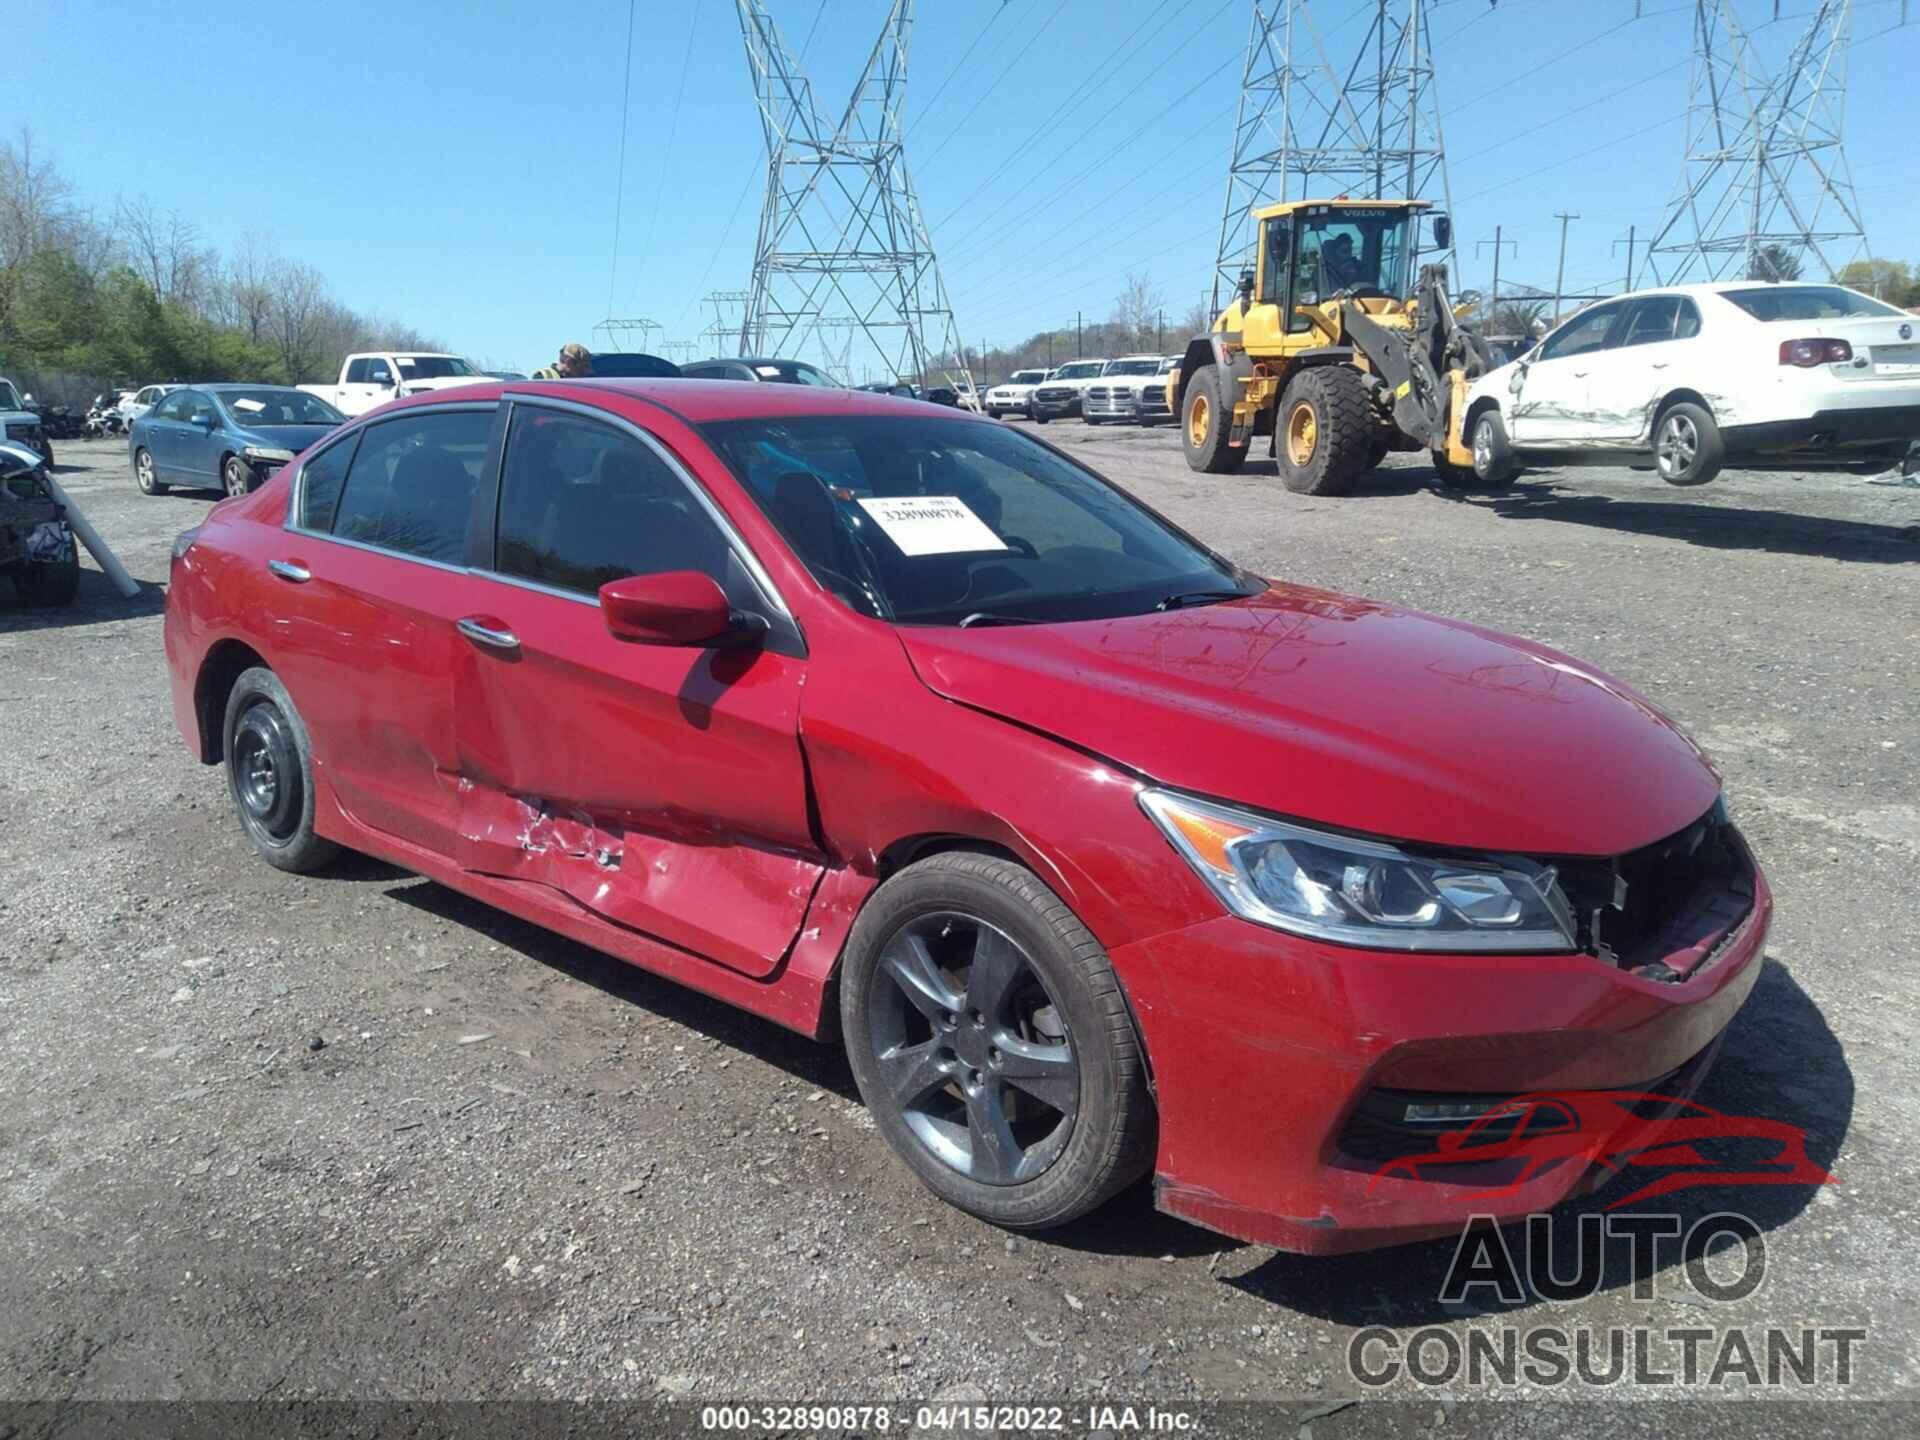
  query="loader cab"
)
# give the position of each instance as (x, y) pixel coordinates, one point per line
(1313, 251)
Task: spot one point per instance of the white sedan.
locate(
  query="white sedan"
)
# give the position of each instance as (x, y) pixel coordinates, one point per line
(1693, 375)
(1016, 396)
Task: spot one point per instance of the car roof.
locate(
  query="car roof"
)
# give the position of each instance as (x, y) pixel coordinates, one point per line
(695, 401)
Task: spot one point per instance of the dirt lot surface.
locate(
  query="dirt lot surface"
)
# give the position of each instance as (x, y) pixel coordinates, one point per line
(265, 1136)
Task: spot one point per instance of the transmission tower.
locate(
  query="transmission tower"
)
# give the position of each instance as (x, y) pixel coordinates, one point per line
(1307, 130)
(843, 245)
(620, 334)
(1765, 177)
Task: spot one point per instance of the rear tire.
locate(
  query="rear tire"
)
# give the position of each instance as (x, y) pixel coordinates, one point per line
(1067, 1123)
(270, 773)
(1492, 452)
(1687, 447)
(1206, 420)
(145, 476)
(1324, 430)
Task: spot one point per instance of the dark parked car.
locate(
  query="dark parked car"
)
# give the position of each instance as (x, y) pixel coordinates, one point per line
(632, 365)
(891, 723)
(37, 550)
(773, 372)
(229, 437)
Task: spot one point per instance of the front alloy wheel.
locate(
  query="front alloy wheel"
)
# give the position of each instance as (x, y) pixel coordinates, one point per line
(989, 1038)
(236, 477)
(972, 1050)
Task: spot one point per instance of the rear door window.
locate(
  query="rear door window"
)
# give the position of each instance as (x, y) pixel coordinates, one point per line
(410, 485)
(357, 371)
(583, 504)
(1651, 320)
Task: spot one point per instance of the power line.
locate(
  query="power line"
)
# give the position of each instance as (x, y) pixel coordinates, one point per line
(965, 55)
(1075, 98)
(1103, 158)
(673, 130)
(1031, 40)
(620, 187)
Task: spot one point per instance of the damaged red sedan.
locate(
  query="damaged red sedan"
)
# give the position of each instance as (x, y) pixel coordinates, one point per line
(894, 725)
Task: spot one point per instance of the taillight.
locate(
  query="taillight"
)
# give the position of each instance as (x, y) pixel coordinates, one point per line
(1809, 353)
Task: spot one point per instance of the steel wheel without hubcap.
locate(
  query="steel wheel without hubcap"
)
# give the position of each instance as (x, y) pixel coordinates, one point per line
(1679, 443)
(266, 772)
(971, 1050)
(1302, 434)
(1197, 421)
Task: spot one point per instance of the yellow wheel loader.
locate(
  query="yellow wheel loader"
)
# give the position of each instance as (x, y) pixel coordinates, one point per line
(1331, 353)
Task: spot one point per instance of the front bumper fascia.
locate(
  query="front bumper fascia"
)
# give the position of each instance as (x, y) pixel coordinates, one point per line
(1262, 1046)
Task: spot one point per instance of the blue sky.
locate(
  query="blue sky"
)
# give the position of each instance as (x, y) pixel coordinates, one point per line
(456, 165)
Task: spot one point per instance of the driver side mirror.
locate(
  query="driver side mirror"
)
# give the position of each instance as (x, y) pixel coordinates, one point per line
(206, 420)
(1442, 232)
(679, 607)
(1519, 377)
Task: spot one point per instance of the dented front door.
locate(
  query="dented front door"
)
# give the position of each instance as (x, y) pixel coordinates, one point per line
(659, 786)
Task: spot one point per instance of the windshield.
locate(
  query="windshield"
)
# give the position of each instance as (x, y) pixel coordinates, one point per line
(1080, 370)
(1027, 377)
(432, 367)
(1133, 367)
(271, 406)
(1807, 302)
(9, 397)
(792, 372)
(1351, 248)
(944, 522)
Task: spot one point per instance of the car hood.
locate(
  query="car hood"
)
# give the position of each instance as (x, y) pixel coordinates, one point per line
(286, 437)
(1355, 715)
(18, 417)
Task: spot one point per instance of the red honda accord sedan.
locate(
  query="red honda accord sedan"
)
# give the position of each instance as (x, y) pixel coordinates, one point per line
(1100, 855)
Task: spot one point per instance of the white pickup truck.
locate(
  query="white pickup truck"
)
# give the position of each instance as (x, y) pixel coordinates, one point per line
(377, 376)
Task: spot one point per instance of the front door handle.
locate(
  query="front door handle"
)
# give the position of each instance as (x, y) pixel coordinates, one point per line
(290, 570)
(1656, 364)
(485, 630)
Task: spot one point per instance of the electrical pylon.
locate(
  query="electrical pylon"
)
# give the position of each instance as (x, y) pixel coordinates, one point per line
(843, 252)
(1308, 131)
(1765, 173)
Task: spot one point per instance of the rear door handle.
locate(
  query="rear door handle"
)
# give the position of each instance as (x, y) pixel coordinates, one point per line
(485, 630)
(290, 570)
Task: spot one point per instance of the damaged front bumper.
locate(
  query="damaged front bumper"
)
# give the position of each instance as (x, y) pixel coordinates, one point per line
(1275, 1058)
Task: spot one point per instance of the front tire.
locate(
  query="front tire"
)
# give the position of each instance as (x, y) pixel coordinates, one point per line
(270, 773)
(145, 476)
(236, 477)
(1206, 422)
(990, 1041)
(1492, 451)
(1324, 430)
(1687, 447)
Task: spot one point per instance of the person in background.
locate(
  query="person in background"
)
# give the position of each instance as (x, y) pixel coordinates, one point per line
(575, 363)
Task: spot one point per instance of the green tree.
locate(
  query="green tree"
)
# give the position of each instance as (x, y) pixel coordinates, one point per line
(1775, 262)
(1889, 280)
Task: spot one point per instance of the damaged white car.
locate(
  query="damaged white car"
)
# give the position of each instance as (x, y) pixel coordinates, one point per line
(1692, 376)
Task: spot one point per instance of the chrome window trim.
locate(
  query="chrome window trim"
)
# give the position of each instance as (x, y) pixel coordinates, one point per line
(296, 487)
(749, 561)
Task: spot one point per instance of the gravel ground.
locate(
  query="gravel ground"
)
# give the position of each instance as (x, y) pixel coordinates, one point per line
(356, 1136)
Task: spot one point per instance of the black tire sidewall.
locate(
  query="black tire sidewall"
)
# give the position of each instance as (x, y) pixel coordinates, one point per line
(1342, 440)
(1708, 458)
(990, 889)
(1213, 455)
(1501, 469)
(305, 850)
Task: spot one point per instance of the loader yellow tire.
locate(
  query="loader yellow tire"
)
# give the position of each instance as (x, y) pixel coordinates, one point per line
(1206, 420)
(1325, 431)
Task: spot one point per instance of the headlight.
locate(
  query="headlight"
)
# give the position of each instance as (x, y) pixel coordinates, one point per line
(266, 454)
(1363, 892)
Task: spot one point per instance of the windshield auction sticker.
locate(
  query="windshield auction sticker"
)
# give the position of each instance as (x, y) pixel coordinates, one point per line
(931, 525)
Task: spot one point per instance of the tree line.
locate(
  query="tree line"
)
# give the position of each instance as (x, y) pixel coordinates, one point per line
(133, 295)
